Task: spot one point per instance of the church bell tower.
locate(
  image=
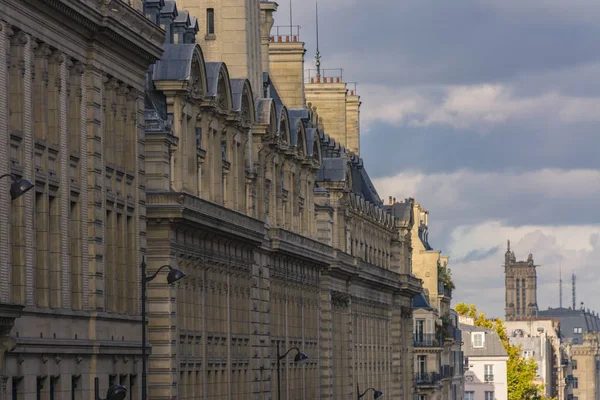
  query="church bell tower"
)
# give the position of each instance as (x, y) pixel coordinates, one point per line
(520, 286)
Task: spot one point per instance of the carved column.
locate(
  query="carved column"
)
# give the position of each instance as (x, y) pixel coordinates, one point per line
(64, 177)
(5, 229)
(325, 338)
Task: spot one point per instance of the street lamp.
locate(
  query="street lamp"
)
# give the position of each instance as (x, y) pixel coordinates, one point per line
(299, 358)
(19, 186)
(377, 394)
(173, 276)
(115, 392)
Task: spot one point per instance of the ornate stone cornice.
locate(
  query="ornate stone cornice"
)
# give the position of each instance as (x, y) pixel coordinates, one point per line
(119, 23)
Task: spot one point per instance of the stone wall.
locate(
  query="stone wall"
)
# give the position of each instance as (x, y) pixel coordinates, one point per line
(72, 122)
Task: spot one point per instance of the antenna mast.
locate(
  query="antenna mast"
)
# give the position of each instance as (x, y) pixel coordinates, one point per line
(560, 283)
(573, 282)
(318, 55)
(291, 26)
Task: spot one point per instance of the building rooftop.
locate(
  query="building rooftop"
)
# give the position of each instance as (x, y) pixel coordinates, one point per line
(491, 347)
(573, 323)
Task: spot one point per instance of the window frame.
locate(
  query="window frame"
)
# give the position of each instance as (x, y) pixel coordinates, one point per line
(210, 22)
(473, 341)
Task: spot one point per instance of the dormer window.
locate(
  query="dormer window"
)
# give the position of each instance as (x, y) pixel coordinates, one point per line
(477, 339)
(210, 21)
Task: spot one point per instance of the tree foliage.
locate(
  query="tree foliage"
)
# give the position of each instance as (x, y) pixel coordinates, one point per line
(521, 372)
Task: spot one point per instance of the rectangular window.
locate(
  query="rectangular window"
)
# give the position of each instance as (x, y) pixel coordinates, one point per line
(489, 395)
(53, 385)
(524, 296)
(575, 383)
(224, 150)
(469, 395)
(419, 330)
(488, 372)
(477, 339)
(422, 364)
(577, 330)
(528, 353)
(39, 386)
(210, 21)
(574, 364)
(518, 294)
(198, 138)
(74, 386)
(17, 382)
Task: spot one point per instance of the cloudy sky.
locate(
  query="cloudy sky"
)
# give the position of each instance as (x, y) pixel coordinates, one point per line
(488, 113)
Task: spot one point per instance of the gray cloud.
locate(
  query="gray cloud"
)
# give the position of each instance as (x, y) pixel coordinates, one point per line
(487, 113)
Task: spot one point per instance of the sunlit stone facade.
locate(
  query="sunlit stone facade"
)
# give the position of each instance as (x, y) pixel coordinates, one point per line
(72, 122)
(280, 231)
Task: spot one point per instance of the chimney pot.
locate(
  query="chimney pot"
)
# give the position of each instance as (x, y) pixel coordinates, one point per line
(394, 199)
(337, 80)
(312, 80)
(279, 38)
(390, 199)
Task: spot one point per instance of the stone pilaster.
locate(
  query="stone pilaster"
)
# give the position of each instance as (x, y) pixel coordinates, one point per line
(139, 185)
(95, 186)
(5, 227)
(325, 338)
(260, 364)
(64, 173)
(83, 197)
(397, 350)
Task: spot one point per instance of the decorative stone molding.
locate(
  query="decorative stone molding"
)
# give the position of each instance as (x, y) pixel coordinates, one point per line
(406, 312)
(340, 299)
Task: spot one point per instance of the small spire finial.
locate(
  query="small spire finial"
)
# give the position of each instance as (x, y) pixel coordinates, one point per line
(318, 55)
(508, 245)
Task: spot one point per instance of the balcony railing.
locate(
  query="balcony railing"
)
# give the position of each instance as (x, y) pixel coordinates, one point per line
(427, 340)
(488, 378)
(427, 378)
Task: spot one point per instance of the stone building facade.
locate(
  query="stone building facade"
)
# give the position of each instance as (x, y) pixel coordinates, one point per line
(438, 357)
(283, 238)
(576, 359)
(541, 339)
(72, 76)
(521, 286)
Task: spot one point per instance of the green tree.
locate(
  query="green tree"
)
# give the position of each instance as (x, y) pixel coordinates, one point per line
(521, 372)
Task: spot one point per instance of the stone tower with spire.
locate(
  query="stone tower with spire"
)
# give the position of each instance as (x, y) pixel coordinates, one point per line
(520, 286)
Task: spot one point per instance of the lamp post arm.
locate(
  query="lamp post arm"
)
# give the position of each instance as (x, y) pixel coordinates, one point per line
(151, 277)
(365, 392)
(9, 174)
(288, 352)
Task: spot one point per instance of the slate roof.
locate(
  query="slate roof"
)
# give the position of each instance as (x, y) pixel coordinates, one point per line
(332, 170)
(492, 346)
(175, 64)
(570, 319)
(421, 301)
(237, 89)
(402, 211)
(212, 77)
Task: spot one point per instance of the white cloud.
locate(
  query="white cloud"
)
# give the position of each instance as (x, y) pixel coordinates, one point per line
(473, 107)
(474, 213)
(573, 247)
(467, 194)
